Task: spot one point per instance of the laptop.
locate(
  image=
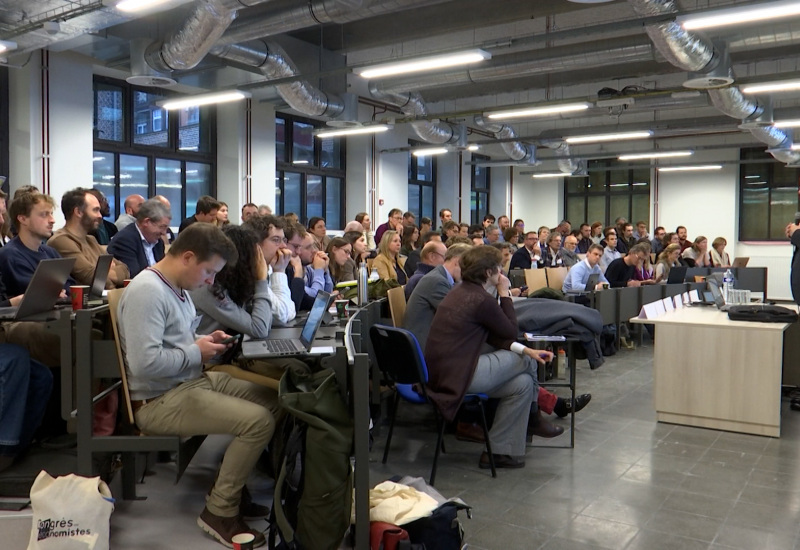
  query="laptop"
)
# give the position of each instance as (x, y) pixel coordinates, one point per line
(43, 291)
(677, 275)
(591, 282)
(277, 347)
(740, 261)
(97, 289)
(719, 299)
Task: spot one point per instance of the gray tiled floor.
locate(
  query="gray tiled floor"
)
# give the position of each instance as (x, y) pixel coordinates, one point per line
(630, 483)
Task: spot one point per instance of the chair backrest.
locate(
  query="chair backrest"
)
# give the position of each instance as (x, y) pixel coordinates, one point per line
(113, 305)
(535, 279)
(556, 276)
(399, 355)
(397, 305)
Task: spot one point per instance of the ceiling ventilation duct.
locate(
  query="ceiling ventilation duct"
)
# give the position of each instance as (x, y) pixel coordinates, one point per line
(143, 74)
(695, 53)
(413, 105)
(516, 150)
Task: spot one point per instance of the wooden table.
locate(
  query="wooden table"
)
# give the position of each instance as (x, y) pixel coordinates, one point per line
(712, 372)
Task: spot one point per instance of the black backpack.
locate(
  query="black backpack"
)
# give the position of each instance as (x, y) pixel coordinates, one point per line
(313, 492)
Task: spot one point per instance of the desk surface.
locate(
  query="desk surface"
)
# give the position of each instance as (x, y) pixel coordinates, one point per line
(707, 316)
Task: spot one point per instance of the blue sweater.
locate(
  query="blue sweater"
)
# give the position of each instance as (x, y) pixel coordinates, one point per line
(18, 262)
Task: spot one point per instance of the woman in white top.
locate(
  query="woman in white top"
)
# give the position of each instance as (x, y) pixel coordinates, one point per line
(719, 258)
(597, 232)
(698, 252)
(666, 261)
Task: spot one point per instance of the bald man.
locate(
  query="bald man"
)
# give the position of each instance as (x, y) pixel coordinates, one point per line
(132, 205)
(432, 255)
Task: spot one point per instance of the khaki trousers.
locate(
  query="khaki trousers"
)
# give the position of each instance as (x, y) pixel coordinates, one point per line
(43, 345)
(217, 403)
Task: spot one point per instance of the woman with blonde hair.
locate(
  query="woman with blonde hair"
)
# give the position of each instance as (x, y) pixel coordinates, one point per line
(389, 262)
(666, 261)
(719, 258)
(698, 253)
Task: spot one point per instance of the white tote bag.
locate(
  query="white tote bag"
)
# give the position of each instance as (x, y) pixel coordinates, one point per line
(70, 513)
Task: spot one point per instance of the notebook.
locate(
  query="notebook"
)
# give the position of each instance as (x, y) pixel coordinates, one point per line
(591, 282)
(43, 291)
(276, 347)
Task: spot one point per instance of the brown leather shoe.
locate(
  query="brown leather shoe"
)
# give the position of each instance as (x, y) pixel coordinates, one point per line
(500, 461)
(224, 529)
(472, 432)
(540, 427)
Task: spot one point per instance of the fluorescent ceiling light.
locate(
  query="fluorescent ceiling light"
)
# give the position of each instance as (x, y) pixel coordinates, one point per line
(787, 123)
(473, 147)
(373, 129)
(609, 137)
(420, 64)
(796, 147)
(429, 151)
(202, 99)
(655, 155)
(779, 86)
(542, 175)
(737, 16)
(539, 111)
(7, 45)
(138, 5)
(299, 162)
(690, 168)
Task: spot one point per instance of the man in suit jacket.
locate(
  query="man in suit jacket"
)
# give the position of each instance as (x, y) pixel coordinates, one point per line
(430, 291)
(140, 244)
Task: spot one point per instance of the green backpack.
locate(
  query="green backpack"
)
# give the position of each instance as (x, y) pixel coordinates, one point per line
(313, 492)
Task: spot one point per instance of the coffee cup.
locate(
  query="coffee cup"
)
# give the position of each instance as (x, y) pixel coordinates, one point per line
(126, 282)
(342, 308)
(79, 295)
(243, 541)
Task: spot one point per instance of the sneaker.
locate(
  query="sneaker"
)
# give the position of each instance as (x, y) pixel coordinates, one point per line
(224, 529)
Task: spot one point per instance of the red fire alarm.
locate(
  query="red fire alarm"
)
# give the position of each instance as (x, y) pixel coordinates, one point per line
(380, 202)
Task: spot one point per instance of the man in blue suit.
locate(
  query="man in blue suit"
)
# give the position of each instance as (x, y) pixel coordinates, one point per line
(140, 244)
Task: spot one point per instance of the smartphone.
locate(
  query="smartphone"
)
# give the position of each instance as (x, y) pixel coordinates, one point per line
(231, 339)
(523, 289)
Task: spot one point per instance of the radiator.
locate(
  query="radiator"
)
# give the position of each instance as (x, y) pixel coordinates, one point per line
(778, 274)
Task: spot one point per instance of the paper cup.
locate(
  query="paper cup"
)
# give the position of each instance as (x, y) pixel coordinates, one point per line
(126, 282)
(243, 541)
(79, 295)
(342, 309)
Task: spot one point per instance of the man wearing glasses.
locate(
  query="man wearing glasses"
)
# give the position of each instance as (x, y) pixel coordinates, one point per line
(431, 256)
(140, 244)
(620, 272)
(395, 222)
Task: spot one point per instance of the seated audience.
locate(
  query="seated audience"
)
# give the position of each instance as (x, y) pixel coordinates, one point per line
(389, 262)
(249, 209)
(450, 229)
(342, 266)
(360, 252)
(519, 225)
(697, 254)
(569, 254)
(264, 210)
(366, 222)
(463, 230)
(551, 254)
(445, 215)
(131, 205)
(620, 272)
(432, 255)
(171, 393)
(683, 240)
(511, 236)
(409, 239)
(492, 233)
(584, 238)
(625, 238)
(719, 258)
(222, 215)
(317, 229)
(503, 223)
(527, 256)
(311, 266)
(505, 250)
(640, 231)
(81, 209)
(106, 230)
(205, 211)
(488, 220)
(596, 233)
(425, 225)
(544, 233)
(645, 271)
(269, 231)
(413, 258)
(140, 244)
(657, 243)
(579, 274)
(610, 252)
(666, 261)
(394, 223)
(353, 226)
(291, 218)
(409, 218)
(466, 319)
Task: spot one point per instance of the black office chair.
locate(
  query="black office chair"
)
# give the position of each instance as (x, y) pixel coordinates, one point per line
(402, 362)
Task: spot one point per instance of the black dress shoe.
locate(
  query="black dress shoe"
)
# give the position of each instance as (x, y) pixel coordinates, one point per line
(540, 427)
(500, 461)
(564, 406)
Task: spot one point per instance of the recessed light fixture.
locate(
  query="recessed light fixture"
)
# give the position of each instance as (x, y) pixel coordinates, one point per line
(539, 111)
(787, 123)
(420, 64)
(299, 162)
(778, 86)
(430, 151)
(373, 129)
(655, 155)
(690, 168)
(473, 147)
(609, 137)
(202, 99)
(547, 175)
(138, 5)
(741, 15)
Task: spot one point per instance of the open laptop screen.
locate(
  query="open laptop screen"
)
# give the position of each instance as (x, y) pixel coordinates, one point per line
(315, 317)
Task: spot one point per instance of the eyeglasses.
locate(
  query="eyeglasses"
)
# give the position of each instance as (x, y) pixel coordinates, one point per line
(277, 240)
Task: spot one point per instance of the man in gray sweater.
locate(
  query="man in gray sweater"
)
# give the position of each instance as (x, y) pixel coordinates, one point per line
(171, 395)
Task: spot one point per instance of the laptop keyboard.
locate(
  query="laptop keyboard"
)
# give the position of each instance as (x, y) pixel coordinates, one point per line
(281, 346)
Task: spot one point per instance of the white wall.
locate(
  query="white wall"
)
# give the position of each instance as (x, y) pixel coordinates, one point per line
(263, 154)
(537, 201)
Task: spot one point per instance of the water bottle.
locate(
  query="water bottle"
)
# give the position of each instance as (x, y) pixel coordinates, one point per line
(727, 285)
(363, 294)
(374, 275)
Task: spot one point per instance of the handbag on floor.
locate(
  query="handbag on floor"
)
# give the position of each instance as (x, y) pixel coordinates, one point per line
(70, 513)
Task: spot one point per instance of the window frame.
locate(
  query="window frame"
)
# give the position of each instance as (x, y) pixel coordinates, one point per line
(475, 214)
(607, 166)
(770, 165)
(413, 180)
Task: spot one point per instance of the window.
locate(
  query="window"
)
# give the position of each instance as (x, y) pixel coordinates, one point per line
(479, 195)
(611, 190)
(309, 180)
(139, 148)
(768, 196)
(422, 185)
(4, 128)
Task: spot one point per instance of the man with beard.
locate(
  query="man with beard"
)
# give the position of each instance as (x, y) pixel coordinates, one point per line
(106, 230)
(82, 211)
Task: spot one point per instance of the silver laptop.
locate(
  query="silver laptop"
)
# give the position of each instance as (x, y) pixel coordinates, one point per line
(96, 291)
(276, 347)
(740, 261)
(591, 282)
(42, 292)
(716, 293)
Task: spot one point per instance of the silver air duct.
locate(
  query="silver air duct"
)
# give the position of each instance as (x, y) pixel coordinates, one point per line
(412, 104)
(565, 164)
(693, 52)
(514, 149)
(190, 44)
(273, 62)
